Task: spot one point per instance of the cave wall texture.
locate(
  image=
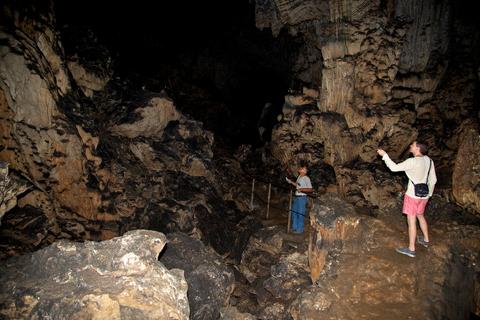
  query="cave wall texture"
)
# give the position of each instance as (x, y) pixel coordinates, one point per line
(381, 74)
(100, 161)
(99, 158)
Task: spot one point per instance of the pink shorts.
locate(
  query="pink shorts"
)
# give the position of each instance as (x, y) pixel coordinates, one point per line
(413, 206)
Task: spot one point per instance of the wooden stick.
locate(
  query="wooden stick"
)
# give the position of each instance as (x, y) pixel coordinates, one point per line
(251, 197)
(289, 211)
(268, 199)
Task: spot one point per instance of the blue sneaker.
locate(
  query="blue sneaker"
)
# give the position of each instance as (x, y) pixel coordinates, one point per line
(421, 240)
(406, 252)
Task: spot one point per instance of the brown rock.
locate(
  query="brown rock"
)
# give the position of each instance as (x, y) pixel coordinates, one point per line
(210, 281)
(337, 87)
(153, 118)
(331, 219)
(363, 276)
(262, 251)
(310, 304)
(87, 81)
(10, 188)
(231, 313)
(466, 172)
(364, 188)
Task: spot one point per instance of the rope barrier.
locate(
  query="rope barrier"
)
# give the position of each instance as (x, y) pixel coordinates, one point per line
(281, 187)
(257, 179)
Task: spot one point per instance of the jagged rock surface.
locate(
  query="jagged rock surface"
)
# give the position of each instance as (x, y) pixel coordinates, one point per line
(104, 158)
(466, 172)
(383, 74)
(346, 266)
(10, 188)
(38, 139)
(210, 281)
(274, 269)
(231, 313)
(360, 275)
(117, 279)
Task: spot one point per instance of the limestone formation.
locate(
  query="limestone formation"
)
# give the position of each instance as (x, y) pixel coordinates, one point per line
(231, 313)
(153, 118)
(40, 142)
(391, 72)
(309, 304)
(276, 265)
(105, 155)
(288, 277)
(87, 81)
(118, 279)
(104, 158)
(10, 189)
(330, 223)
(358, 274)
(210, 281)
(466, 172)
(262, 251)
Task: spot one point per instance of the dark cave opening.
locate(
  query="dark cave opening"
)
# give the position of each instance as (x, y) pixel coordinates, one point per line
(209, 57)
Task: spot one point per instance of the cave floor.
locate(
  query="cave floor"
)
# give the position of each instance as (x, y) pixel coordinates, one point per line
(370, 280)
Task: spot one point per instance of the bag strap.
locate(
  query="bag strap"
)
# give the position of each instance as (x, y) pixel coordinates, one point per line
(429, 167)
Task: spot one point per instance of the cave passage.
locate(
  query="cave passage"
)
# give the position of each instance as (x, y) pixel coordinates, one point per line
(209, 57)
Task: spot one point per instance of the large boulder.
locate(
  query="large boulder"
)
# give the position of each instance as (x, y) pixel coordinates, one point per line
(117, 279)
(261, 252)
(210, 281)
(150, 119)
(288, 277)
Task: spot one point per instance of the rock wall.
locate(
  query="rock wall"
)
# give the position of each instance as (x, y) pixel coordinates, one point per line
(10, 188)
(103, 157)
(38, 139)
(391, 72)
(466, 172)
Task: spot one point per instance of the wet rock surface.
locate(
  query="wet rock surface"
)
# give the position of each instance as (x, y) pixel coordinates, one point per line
(117, 279)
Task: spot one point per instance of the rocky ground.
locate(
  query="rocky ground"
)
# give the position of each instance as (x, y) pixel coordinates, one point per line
(354, 270)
